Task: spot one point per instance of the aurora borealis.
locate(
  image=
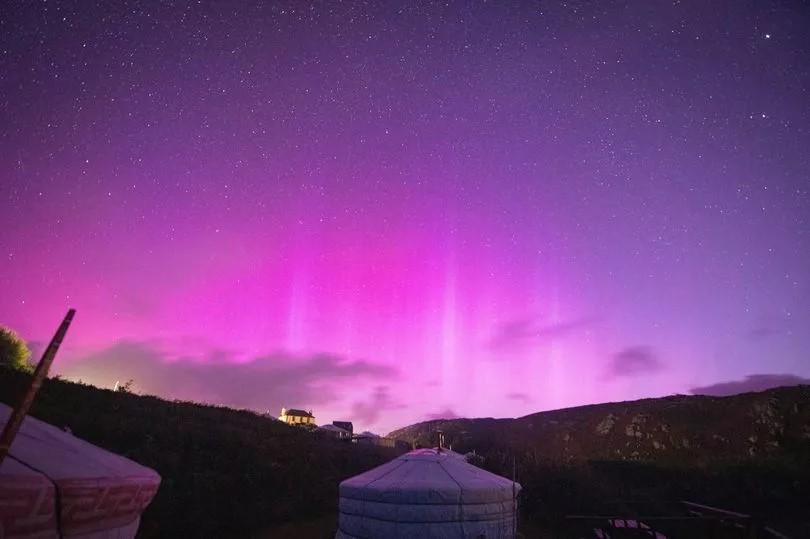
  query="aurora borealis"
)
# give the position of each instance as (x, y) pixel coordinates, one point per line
(386, 212)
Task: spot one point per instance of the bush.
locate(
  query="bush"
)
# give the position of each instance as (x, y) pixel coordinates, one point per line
(14, 353)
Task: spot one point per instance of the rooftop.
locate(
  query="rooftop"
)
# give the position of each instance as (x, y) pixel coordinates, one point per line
(296, 412)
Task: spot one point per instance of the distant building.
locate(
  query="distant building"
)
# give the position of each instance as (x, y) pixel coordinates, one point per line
(291, 416)
(335, 431)
(345, 425)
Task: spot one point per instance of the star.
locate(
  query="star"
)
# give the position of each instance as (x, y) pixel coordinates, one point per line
(390, 196)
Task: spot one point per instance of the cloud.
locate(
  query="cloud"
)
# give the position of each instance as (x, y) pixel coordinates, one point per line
(367, 412)
(446, 414)
(634, 361)
(530, 330)
(752, 382)
(761, 332)
(522, 397)
(264, 383)
(769, 325)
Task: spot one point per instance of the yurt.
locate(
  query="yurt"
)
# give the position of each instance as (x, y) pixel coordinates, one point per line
(54, 485)
(427, 493)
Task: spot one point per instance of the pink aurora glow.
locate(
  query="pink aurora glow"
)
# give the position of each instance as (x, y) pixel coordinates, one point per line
(388, 214)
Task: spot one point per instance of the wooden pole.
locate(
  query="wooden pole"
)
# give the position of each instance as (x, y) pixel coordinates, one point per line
(21, 410)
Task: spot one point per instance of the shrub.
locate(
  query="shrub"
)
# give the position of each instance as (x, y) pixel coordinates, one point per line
(14, 352)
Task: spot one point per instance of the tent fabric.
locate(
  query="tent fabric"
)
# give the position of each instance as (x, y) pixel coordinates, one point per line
(427, 493)
(27, 507)
(100, 494)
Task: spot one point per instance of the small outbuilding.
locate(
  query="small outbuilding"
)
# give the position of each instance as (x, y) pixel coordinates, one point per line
(345, 425)
(428, 493)
(336, 432)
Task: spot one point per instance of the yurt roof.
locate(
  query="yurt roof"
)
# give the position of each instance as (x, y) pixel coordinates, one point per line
(97, 489)
(429, 476)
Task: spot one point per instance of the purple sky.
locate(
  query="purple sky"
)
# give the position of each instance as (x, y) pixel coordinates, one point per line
(385, 213)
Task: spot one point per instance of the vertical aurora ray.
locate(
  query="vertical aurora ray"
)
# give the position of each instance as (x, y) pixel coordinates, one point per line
(386, 214)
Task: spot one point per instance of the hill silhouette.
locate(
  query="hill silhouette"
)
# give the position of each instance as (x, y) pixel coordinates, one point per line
(235, 473)
(685, 429)
(747, 452)
(226, 473)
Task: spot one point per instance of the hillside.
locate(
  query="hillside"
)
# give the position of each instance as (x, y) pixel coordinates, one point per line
(748, 453)
(226, 473)
(230, 473)
(684, 429)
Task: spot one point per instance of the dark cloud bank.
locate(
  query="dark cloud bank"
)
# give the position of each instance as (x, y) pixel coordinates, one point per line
(634, 361)
(266, 382)
(531, 330)
(367, 412)
(521, 397)
(753, 382)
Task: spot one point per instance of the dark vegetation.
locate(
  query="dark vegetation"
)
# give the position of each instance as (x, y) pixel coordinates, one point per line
(748, 453)
(226, 473)
(14, 352)
(230, 473)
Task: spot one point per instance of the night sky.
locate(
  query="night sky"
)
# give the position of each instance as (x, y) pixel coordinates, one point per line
(391, 212)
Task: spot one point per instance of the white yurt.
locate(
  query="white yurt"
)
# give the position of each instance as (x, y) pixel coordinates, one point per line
(100, 495)
(427, 493)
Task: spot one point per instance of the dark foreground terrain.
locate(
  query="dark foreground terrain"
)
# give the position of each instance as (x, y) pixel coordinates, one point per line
(749, 453)
(226, 473)
(230, 473)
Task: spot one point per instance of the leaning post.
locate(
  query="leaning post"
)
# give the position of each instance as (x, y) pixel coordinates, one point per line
(21, 410)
